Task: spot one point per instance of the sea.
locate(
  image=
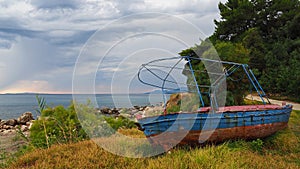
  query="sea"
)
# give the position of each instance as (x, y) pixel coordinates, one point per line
(13, 105)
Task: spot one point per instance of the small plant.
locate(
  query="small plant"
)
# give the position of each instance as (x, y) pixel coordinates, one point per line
(42, 105)
(21, 135)
(257, 145)
(120, 122)
(173, 109)
(3, 157)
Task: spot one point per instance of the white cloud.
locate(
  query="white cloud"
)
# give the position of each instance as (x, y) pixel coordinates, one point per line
(29, 86)
(40, 40)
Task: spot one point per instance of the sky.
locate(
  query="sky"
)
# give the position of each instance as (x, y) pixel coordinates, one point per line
(94, 45)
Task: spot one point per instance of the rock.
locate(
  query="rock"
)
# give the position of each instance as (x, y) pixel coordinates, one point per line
(7, 127)
(2, 123)
(153, 111)
(142, 108)
(98, 110)
(11, 122)
(25, 117)
(6, 132)
(105, 110)
(114, 111)
(124, 111)
(125, 115)
(133, 112)
(24, 128)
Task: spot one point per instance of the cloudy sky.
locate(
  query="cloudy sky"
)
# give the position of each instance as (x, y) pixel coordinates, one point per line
(47, 46)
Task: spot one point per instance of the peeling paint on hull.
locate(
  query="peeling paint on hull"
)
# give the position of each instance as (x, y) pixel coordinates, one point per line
(197, 128)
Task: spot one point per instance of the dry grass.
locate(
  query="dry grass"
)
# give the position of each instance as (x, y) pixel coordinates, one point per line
(279, 151)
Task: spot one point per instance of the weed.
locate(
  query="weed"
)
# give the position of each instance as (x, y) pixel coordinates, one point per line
(257, 145)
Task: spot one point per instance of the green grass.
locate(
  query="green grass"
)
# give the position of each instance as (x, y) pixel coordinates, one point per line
(281, 150)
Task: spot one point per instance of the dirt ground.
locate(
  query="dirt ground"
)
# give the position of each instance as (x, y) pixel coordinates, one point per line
(10, 142)
(296, 106)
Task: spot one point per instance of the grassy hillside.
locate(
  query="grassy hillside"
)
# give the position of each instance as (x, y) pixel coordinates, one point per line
(281, 150)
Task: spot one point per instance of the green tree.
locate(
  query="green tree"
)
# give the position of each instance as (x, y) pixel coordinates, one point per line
(234, 52)
(265, 35)
(237, 16)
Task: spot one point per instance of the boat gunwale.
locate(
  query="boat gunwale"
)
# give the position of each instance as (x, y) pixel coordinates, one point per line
(289, 106)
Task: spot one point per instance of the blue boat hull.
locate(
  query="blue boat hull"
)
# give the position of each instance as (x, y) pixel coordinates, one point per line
(194, 128)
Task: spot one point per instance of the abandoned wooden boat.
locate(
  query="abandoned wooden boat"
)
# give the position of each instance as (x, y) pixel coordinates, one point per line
(214, 123)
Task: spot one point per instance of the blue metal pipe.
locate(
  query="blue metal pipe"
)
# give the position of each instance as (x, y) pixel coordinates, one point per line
(195, 80)
(264, 94)
(250, 79)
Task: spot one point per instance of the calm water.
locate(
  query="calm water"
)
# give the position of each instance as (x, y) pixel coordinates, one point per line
(13, 105)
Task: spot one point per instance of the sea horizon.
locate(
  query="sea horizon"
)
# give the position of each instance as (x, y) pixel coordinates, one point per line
(13, 105)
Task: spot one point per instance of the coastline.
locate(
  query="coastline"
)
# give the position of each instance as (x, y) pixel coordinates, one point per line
(12, 131)
(11, 106)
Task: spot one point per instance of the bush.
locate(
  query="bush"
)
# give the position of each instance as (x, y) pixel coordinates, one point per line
(56, 126)
(61, 125)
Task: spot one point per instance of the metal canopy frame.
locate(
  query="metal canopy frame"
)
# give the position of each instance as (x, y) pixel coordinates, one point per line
(150, 66)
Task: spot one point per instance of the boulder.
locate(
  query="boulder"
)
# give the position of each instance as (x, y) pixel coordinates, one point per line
(11, 122)
(105, 110)
(2, 123)
(25, 117)
(137, 107)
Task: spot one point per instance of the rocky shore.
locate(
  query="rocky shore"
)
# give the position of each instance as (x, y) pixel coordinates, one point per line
(9, 129)
(133, 113)
(11, 126)
(25, 121)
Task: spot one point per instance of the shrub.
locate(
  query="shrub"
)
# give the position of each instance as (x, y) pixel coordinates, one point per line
(55, 126)
(60, 125)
